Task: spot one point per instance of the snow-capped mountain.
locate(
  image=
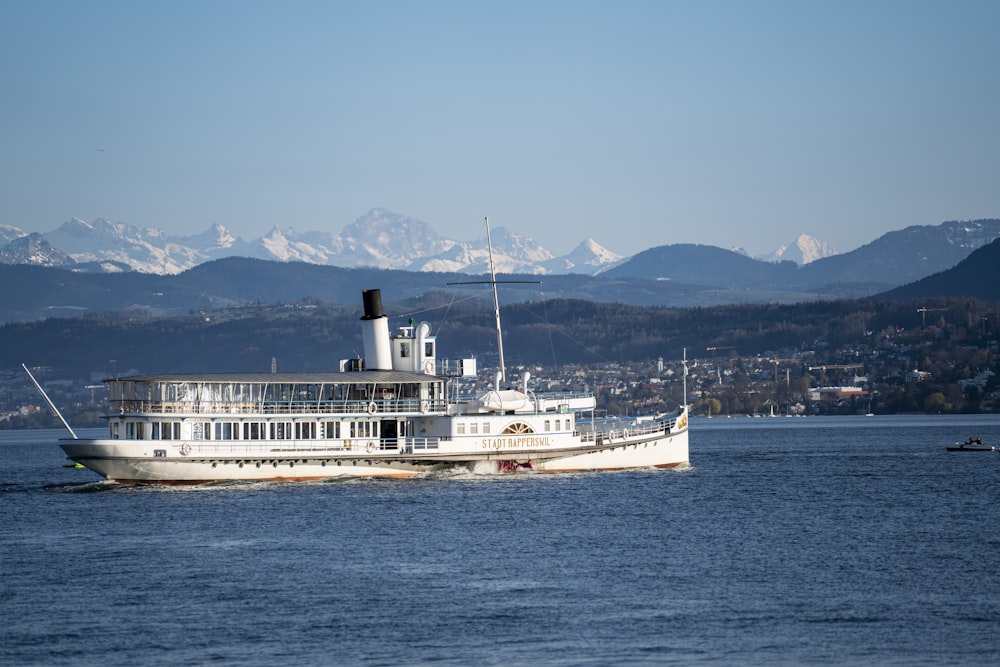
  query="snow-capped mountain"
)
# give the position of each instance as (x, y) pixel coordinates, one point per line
(33, 249)
(379, 238)
(589, 258)
(802, 250)
(144, 249)
(512, 253)
(8, 234)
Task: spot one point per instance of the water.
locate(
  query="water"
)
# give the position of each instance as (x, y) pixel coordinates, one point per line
(789, 541)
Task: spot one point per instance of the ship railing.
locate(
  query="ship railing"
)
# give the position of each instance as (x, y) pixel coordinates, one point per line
(608, 431)
(276, 449)
(546, 396)
(294, 449)
(417, 445)
(298, 449)
(562, 395)
(353, 407)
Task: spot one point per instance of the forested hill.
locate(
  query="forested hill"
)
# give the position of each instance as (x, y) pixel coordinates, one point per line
(314, 336)
(977, 276)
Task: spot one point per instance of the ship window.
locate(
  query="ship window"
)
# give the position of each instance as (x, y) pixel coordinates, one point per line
(460, 428)
(140, 430)
(404, 350)
(518, 428)
(473, 428)
(547, 425)
(114, 430)
(168, 430)
(332, 430)
(428, 349)
(486, 427)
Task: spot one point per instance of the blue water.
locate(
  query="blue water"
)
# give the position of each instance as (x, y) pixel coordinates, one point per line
(840, 541)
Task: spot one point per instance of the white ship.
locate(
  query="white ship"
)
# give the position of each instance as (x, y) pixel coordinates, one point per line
(398, 412)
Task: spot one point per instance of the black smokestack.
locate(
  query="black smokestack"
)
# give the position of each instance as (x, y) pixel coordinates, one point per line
(373, 304)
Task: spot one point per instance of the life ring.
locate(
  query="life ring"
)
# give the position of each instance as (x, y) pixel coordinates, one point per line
(185, 449)
(370, 448)
(372, 408)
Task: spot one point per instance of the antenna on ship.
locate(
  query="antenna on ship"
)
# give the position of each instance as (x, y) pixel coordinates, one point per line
(496, 301)
(684, 384)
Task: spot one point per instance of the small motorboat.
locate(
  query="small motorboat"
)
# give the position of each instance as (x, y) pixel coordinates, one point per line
(971, 445)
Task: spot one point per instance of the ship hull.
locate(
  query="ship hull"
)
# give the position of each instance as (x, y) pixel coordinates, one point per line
(192, 463)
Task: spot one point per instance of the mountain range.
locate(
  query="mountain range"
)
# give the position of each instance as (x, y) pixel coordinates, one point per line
(724, 277)
(85, 267)
(377, 239)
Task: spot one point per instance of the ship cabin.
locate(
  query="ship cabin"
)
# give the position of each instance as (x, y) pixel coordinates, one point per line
(271, 406)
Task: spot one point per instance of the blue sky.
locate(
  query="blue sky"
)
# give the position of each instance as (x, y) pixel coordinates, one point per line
(634, 123)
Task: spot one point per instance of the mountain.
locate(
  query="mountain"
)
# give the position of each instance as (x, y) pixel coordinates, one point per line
(589, 258)
(512, 253)
(893, 259)
(8, 234)
(682, 276)
(705, 265)
(903, 256)
(803, 250)
(35, 292)
(386, 240)
(977, 276)
(378, 238)
(33, 249)
(144, 249)
(217, 242)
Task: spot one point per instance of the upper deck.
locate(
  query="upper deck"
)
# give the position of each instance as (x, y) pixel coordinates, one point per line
(278, 393)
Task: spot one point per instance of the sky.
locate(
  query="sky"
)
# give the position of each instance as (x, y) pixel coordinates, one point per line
(636, 124)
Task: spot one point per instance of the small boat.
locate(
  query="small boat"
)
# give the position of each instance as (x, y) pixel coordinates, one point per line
(398, 412)
(971, 445)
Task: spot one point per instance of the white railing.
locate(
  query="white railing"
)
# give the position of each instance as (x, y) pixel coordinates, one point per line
(295, 449)
(381, 405)
(618, 430)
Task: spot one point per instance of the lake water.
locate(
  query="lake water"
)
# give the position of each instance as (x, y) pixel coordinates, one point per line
(840, 541)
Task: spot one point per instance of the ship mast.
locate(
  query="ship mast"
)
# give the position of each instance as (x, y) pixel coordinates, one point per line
(496, 301)
(496, 305)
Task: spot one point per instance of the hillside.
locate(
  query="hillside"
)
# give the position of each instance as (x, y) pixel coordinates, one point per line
(37, 292)
(903, 256)
(315, 336)
(893, 259)
(977, 276)
(706, 265)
